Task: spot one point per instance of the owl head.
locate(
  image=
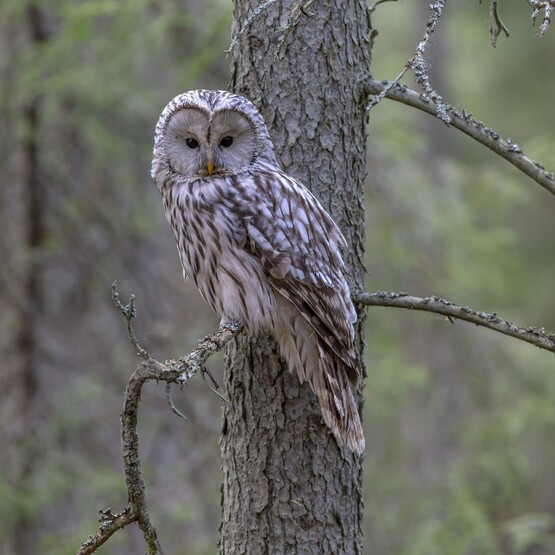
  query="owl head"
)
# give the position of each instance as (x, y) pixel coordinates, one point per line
(202, 134)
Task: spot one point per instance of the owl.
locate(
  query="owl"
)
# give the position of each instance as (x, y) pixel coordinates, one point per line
(258, 245)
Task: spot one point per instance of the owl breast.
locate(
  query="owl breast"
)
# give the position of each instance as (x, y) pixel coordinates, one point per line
(210, 239)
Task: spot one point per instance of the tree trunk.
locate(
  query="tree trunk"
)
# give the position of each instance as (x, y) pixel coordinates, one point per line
(287, 487)
(21, 381)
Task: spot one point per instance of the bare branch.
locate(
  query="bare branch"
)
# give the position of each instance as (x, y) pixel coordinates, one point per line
(172, 371)
(373, 7)
(535, 336)
(171, 404)
(496, 25)
(547, 6)
(463, 121)
(110, 523)
(247, 23)
(128, 312)
(178, 371)
(420, 67)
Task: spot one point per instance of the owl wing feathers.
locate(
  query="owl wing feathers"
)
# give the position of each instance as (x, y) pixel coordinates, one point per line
(296, 242)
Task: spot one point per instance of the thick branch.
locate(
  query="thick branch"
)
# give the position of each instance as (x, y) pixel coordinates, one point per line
(462, 121)
(179, 372)
(535, 336)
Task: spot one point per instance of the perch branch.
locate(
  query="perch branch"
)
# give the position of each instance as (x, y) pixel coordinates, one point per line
(178, 371)
(463, 121)
(535, 336)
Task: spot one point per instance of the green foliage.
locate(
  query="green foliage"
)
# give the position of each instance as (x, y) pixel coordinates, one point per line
(531, 531)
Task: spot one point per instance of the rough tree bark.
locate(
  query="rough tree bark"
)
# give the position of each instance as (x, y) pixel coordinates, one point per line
(287, 488)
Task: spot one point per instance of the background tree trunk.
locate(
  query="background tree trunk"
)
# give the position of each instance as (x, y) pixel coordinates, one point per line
(287, 488)
(20, 382)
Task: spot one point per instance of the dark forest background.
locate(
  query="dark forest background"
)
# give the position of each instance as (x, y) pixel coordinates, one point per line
(460, 422)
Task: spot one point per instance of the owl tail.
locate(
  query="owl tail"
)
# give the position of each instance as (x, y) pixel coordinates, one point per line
(337, 400)
(328, 377)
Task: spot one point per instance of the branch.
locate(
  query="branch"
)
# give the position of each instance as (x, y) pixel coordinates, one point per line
(110, 523)
(547, 6)
(256, 12)
(128, 312)
(496, 25)
(535, 336)
(463, 121)
(419, 66)
(179, 372)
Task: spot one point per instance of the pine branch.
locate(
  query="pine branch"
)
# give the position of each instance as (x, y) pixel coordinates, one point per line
(179, 372)
(535, 336)
(463, 121)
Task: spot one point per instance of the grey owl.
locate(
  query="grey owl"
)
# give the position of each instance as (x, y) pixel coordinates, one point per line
(258, 245)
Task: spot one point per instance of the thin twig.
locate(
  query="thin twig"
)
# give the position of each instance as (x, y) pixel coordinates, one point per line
(463, 121)
(386, 88)
(496, 25)
(128, 312)
(169, 399)
(547, 6)
(214, 387)
(419, 66)
(373, 7)
(535, 336)
(256, 12)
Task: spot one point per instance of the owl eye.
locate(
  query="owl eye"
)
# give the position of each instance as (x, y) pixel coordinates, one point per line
(226, 141)
(191, 143)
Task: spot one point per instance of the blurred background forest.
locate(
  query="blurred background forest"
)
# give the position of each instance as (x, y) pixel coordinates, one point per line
(460, 421)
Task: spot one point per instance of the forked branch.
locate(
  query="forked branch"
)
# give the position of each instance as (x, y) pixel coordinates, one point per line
(464, 122)
(178, 371)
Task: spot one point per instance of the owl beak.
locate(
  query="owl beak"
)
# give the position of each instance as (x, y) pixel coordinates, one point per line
(210, 167)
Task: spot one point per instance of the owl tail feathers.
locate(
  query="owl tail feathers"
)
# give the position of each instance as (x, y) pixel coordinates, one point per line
(337, 401)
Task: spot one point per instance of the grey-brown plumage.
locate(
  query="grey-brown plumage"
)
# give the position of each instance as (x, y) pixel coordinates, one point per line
(258, 245)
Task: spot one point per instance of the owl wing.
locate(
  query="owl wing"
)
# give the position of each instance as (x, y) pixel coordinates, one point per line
(297, 244)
